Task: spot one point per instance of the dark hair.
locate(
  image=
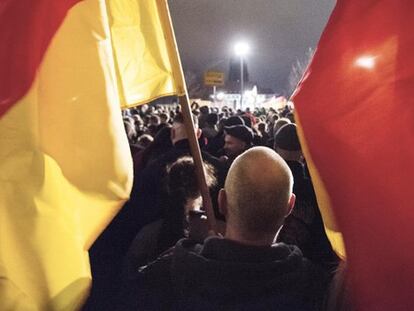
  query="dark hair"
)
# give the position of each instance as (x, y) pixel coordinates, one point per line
(247, 120)
(233, 120)
(204, 109)
(160, 144)
(212, 119)
(180, 186)
(182, 179)
(145, 140)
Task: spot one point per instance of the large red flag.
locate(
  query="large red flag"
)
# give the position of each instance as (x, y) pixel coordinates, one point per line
(356, 109)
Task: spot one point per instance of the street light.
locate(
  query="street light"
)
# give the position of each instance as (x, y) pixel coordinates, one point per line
(241, 49)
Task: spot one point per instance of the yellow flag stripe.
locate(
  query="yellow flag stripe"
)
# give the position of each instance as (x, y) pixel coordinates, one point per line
(324, 202)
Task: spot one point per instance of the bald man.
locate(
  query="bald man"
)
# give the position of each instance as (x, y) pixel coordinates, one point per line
(244, 270)
(255, 200)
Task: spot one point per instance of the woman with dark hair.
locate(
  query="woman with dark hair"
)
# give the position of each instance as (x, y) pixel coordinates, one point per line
(183, 198)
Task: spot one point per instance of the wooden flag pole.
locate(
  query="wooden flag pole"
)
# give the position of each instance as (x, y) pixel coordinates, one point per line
(186, 111)
(198, 161)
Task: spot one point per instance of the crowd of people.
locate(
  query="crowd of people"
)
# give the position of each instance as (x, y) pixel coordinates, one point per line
(269, 250)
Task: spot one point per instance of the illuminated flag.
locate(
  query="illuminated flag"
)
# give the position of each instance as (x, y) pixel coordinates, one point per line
(356, 109)
(66, 68)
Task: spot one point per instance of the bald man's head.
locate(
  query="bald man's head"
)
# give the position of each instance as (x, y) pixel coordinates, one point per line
(258, 192)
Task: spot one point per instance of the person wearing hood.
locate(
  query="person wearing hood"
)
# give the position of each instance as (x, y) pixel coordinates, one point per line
(245, 270)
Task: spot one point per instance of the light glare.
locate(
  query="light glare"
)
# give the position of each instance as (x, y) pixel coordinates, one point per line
(220, 96)
(241, 48)
(367, 62)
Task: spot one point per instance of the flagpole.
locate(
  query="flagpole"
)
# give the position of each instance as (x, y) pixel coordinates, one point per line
(198, 161)
(186, 111)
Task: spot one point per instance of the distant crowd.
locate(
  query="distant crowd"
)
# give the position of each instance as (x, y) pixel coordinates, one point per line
(269, 250)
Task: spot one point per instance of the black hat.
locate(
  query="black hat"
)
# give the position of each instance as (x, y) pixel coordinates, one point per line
(241, 132)
(212, 118)
(233, 120)
(247, 121)
(287, 138)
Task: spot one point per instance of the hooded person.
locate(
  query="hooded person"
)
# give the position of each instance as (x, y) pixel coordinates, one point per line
(244, 270)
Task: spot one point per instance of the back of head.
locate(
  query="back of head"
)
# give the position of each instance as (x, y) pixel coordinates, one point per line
(286, 143)
(145, 140)
(234, 120)
(204, 110)
(247, 120)
(162, 139)
(287, 138)
(212, 119)
(160, 145)
(241, 132)
(279, 123)
(258, 191)
(181, 179)
(182, 192)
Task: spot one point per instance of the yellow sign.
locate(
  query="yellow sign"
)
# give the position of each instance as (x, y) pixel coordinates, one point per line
(214, 78)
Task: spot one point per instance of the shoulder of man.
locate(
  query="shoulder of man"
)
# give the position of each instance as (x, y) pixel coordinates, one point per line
(154, 285)
(147, 288)
(162, 265)
(155, 279)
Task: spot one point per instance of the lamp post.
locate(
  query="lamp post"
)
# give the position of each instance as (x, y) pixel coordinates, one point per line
(241, 49)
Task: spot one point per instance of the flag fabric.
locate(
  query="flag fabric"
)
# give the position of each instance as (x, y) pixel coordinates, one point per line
(356, 110)
(144, 50)
(66, 68)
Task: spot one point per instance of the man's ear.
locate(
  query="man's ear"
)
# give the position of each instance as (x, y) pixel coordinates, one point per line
(291, 204)
(222, 202)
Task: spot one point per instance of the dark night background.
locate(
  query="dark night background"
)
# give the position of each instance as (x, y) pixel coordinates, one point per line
(280, 32)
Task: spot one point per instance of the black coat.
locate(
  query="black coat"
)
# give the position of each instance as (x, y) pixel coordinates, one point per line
(304, 226)
(225, 275)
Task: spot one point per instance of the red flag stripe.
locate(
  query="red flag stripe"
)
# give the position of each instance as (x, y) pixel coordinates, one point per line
(26, 29)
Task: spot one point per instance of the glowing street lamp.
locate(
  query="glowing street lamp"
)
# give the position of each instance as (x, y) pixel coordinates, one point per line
(241, 49)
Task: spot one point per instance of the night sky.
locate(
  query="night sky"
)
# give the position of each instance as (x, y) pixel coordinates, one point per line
(279, 32)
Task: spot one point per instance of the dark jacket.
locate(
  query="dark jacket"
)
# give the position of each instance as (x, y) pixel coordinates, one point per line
(225, 275)
(304, 226)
